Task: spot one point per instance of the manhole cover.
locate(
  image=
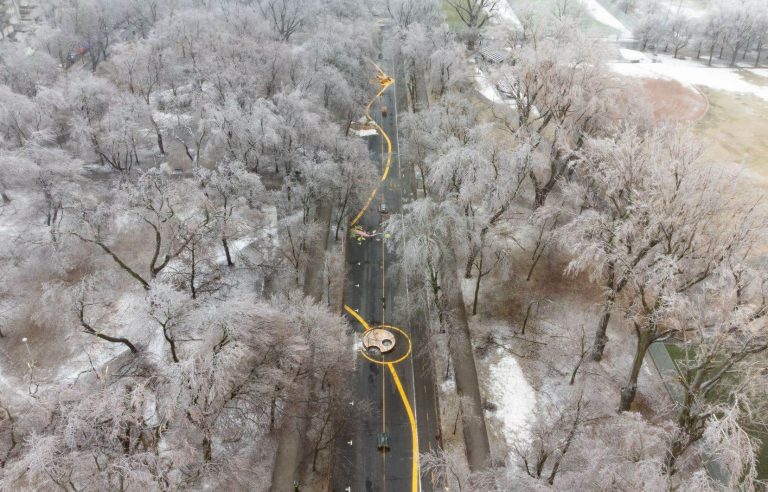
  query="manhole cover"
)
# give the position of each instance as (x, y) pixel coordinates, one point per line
(379, 339)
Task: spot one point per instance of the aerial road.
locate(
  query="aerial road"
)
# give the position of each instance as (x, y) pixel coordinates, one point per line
(396, 411)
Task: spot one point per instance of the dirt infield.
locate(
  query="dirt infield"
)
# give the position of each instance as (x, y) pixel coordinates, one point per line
(672, 101)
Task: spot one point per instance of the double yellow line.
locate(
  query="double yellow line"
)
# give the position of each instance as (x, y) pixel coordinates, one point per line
(384, 82)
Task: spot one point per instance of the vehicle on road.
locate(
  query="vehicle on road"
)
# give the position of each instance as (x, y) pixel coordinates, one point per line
(383, 442)
(383, 208)
(384, 111)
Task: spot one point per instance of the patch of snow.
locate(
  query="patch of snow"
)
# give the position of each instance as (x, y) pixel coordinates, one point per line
(448, 386)
(600, 14)
(515, 399)
(170, 120)
(486, 88)
(234, 248)
(12, 388)
(692, 73)
(504, 13)
(633, 56)
(686, 10)
(467, 288)
(762, 72)
(368, 132)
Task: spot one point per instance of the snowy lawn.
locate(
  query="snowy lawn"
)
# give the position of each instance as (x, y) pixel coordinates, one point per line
(689, 9)
(600, 14)
(736, 131)
(692, 73)
(513, 396)
(505, 14)
(486, 88)
(366, 132)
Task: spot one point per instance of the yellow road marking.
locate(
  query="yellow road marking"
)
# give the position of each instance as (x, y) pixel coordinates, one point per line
(385, 82)
(414, 434)
(357, 317)
(403, 397)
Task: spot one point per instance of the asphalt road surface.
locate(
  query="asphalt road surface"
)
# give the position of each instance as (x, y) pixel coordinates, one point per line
(370, 290)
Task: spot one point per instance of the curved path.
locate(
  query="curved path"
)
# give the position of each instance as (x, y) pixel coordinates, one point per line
(384, 82)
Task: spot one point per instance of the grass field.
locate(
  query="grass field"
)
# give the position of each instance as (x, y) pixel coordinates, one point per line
(588, 23)
(451, 17)
(735, 131)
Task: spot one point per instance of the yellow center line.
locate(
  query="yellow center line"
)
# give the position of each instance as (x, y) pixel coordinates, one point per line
(385, 83)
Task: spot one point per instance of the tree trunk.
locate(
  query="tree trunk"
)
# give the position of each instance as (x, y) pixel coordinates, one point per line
(192, 287)
(477, 285)
(629, 390)
(598, 346)
(157, 132)
(207, 449)
(601, 339)
(540, 197)
(471, 257)
(171, 342)
(759, 52)
(226, 251)
(681, 441)
(461, 352)
(5, 197)
(89, 329)
(733, 57)
(160, 143)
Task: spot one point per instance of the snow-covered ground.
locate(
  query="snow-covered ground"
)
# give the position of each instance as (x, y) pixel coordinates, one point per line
(367, 132)
(633, 56)
(486, 88)
(514, 397)
(692, 73)
(689, 11)
(505, 14)
(600, 14)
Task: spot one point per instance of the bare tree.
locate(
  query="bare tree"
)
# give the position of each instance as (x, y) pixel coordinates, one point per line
(722, 346)
(285, 16)
(617, 175)
(153, 202)
(558, 427)
(474, 14)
